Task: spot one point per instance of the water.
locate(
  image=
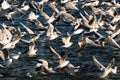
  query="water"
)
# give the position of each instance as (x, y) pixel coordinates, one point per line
(78, 57)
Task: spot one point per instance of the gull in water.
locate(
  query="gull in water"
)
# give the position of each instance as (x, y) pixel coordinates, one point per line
(106, 70)
(63, 63)
(42, 66)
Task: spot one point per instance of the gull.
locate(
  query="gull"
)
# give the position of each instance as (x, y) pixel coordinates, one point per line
(112, 42)
(25, 7)
(50, 29)
(63, 63)
(39, 25)
(34, 5)
(32, 40)
(49, 19)
(111, 11)
(5, 5)
(27, 29)
(106, 70)
(32, 16)
(63, 1)
(9, 15)
(41, 4)
(91, 24)
(7, 60)
(51, 33)
(2, 56)
(42, 66)
(74, 1)
(15, 56)
(15, 39)
(32, 51)
(77, 31)
(86, 40)
(66, 41)
(116, 18)
(66, 17)
(11, 44)
(70, 5)
(115, 28)
(42, 1)
(116, 32)
(54, 7)
(95, 3)
(5, 36)
(78, 23)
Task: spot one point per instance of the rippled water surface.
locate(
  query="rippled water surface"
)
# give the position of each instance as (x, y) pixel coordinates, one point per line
(78, 57)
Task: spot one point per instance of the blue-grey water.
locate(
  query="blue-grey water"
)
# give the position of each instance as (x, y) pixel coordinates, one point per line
(78, 57)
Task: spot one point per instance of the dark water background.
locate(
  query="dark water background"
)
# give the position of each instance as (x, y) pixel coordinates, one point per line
(77, 56)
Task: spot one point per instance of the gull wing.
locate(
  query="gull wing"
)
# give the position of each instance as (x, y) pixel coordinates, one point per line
(62, 65)
(50, 29)
(27, 29)
(115, 33)
(45, 15)
(89, 41)
(66, 39)
(98, 64)
(84, 18)
(25, 41)
(111, 63)
(112, 42)
(54, 53)
(44, 62)
(70, 5)
(2, 56)
(63, 55)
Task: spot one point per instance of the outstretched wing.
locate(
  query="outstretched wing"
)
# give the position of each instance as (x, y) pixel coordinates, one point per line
(54, 53)
(27, 29)
(111, 64)
(98, 64)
